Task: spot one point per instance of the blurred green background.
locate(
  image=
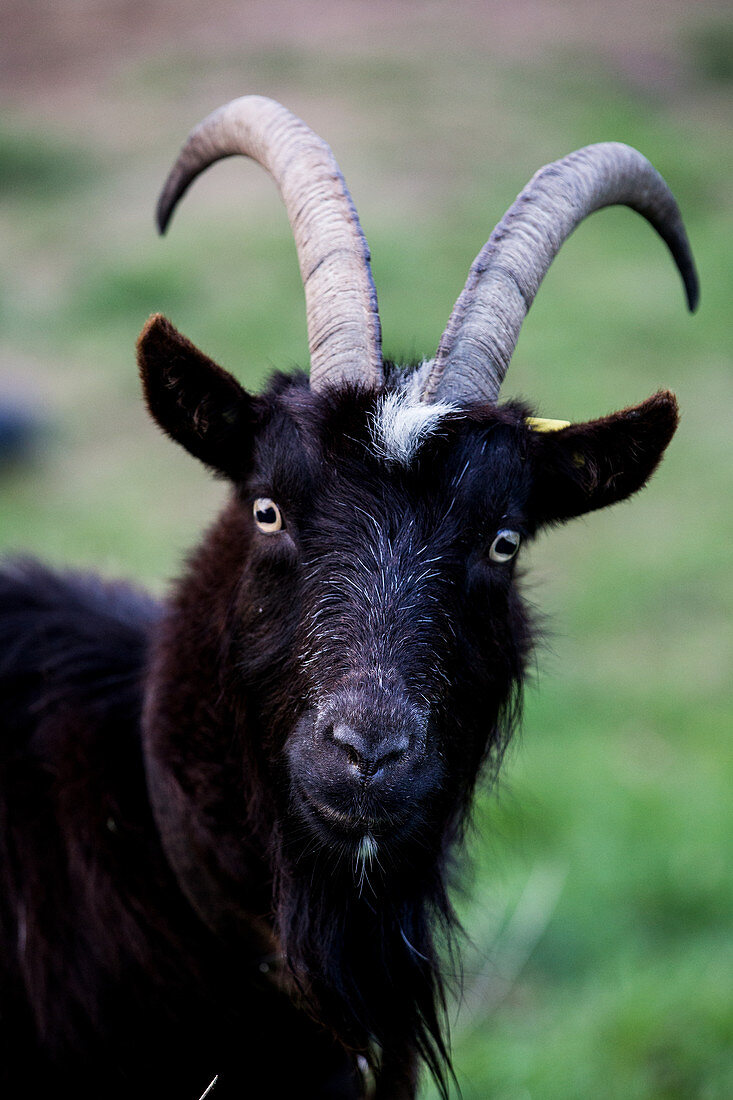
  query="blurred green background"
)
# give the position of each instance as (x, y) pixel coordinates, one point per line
(599, 903)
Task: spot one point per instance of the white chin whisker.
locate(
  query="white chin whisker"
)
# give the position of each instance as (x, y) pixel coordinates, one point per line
(368, 849)
(364, 858)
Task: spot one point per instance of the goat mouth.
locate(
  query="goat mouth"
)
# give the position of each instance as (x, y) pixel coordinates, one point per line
(357, 822)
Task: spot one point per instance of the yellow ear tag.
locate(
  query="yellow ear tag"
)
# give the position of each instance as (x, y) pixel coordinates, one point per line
(541, 424)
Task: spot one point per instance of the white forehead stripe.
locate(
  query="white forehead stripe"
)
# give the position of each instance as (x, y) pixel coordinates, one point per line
(401, 423)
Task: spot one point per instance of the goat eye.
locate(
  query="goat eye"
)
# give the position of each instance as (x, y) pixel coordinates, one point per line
(268, 516)
(504, 546)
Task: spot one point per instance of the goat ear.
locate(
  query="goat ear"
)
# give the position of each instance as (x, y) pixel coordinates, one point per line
(194, 401)
(587, 466)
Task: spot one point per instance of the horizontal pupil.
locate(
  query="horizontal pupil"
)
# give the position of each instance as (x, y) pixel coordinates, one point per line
(504, 546)
(266, 515)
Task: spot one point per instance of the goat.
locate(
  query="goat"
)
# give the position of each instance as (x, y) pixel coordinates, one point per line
(228, 819)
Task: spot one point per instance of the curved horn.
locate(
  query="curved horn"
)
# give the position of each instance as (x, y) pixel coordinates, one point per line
(341, 301)
(475, 349)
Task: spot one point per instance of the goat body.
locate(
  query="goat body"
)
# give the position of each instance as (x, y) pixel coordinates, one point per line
(227, 821)
(110, 983)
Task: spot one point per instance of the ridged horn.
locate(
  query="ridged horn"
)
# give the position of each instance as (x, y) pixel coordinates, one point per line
(478, 342)
(344, 333)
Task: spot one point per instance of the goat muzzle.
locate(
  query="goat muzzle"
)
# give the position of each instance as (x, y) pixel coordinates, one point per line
(361, 760)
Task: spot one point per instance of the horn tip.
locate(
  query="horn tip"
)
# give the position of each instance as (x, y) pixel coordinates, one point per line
(163, 213)
(692, 290)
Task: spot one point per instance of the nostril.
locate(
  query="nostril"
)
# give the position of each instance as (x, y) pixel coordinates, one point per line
(351, 742)
(367, 755)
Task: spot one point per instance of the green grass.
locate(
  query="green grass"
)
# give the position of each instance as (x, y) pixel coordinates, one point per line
(600, 898)
(38, 166)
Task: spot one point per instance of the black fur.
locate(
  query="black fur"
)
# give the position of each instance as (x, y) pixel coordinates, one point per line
(109, 984)
(190, 789)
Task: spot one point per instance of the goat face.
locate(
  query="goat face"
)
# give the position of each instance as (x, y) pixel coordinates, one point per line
(399, 605)
(378, 623)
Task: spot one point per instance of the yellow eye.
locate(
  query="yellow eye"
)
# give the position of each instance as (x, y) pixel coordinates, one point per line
(505, 546)
(268, 516)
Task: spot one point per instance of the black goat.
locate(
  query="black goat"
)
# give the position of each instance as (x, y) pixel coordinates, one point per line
(226, 821)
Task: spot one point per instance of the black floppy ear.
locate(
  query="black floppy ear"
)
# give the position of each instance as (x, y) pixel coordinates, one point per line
(194, 401)
(587, 466)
